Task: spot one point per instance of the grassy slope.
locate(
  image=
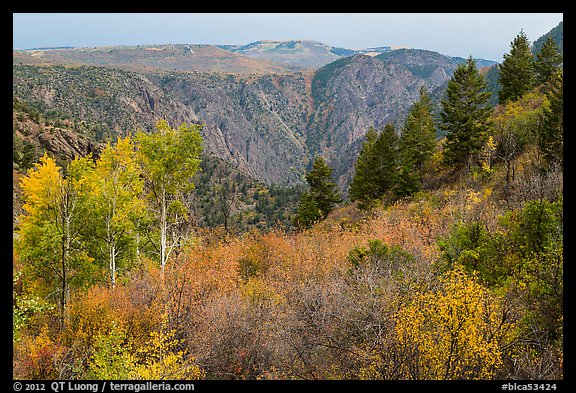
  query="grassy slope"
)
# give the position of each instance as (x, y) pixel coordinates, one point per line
(184, 58)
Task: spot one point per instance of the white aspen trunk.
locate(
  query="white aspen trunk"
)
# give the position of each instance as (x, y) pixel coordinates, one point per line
(138, 246)
(65, 252)
(163, 240)
(113, 265)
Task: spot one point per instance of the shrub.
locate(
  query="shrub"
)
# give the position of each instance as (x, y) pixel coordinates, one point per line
(38, 357)
(457, 331)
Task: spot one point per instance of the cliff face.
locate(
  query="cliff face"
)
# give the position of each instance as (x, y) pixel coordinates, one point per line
(355, 93)
(268, 126)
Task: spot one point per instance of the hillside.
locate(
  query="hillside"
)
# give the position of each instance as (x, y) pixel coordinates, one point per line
(259, 57)
(181, 57)
(313, 54)
(177, 225)
(557, 33)
(357, 92)
(269, 126)
(249, 204)
(295, 54)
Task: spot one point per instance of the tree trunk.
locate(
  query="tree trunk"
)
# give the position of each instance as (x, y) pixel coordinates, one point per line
(64, 262)
(63, 294)
(163, 240)
(113, 265)
(508, 171)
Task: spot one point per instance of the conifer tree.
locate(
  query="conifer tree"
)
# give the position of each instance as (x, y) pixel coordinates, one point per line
(465, 115)
(547, 60)
(376, 167)
(517, 74)
(320, 199)
(550, 136)
(364, 185)
(386, 152)
(416, 145)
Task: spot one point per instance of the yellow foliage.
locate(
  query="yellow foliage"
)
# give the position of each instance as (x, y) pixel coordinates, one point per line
(161, 360)
(454, 332)
(40, 188)
(257, 291)
(487, 155)
(38, 357)
(112, 356)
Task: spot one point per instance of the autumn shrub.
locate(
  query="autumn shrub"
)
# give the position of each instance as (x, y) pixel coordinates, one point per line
(38, 357)
(533, 183)
(160, 358)
(111, 356)
(317, 328)
(103, 313)
(532, 359)
(27, 310)
(234, 338)
(116, 356)
(472, 246)
(445, 284)
(256, 291)
(458, 330)
(254, 257)
(335, 319)
(535, 236)
(526, 249)
(378, 253)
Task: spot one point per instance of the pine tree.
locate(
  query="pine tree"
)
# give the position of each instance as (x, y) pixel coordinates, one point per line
(320, 200)
(375, 167)
(550, 136)
(386, 154)
(417, 144)
(364, 185)
(547, 60)
(517, 74)
(465, 115)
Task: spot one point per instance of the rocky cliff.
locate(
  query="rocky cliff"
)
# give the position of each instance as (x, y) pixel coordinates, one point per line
(269, 126)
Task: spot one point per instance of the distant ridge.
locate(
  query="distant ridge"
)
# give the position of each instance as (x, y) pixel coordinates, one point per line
(160, 57)
(557, 33)
(270, 126)
(258, 57)
(49, 48)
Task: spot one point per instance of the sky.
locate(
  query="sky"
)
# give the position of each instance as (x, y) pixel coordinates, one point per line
(481, 35)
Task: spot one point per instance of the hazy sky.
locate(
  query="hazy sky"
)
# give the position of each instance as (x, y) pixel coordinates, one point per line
(483, 35)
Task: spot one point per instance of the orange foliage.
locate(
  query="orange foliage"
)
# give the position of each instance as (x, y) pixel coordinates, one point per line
(233, 323)
(39, 357)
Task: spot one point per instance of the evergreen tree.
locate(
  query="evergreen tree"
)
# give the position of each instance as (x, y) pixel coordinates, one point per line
(465, 115)
(364, 186)
(386, 152)
(547, 60)
(517, 74)
(550, 138)
(376, 167)
(320, 200)
(417, 144)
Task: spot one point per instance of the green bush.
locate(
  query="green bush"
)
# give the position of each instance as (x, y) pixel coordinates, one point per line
(377, 254)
